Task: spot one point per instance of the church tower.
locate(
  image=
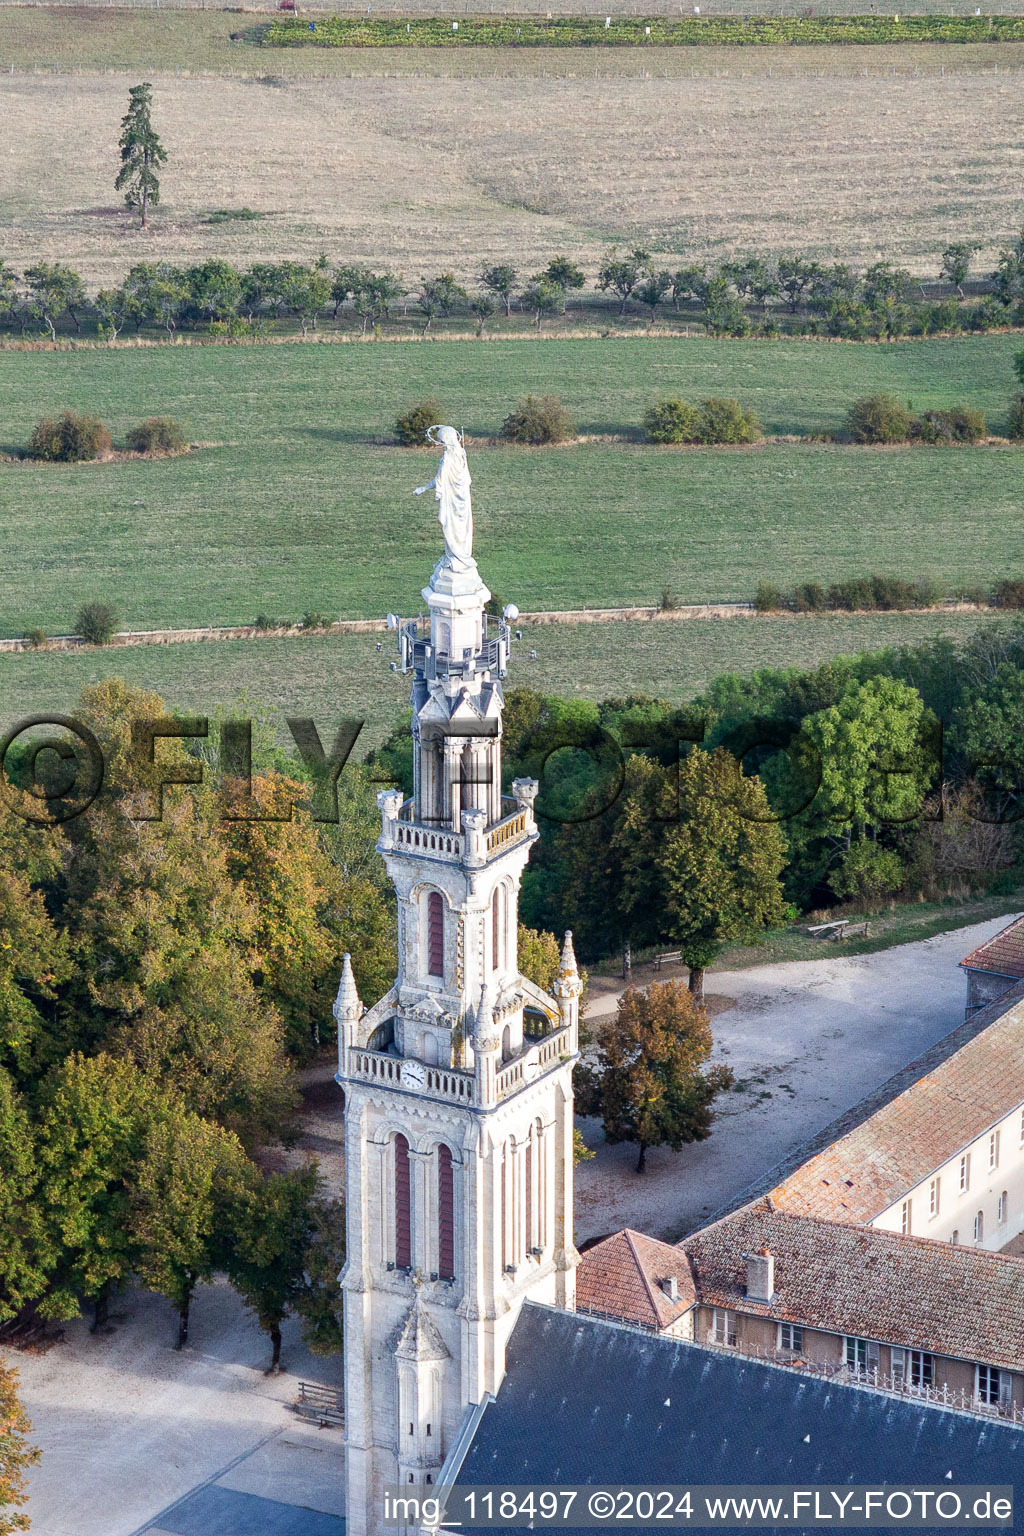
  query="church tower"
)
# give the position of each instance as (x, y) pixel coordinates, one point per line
(458, 1083)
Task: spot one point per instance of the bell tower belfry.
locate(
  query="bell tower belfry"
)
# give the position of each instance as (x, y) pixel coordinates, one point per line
(458, 1083)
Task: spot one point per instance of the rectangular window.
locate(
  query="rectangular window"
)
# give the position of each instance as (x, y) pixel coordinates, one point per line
(922, 1369)
(965, 1172)
(905, 1215)
(857, 1354)
(898, 1365)
(993, 1150)
(791, 1338)
(994, 1387)
(723, 1326)
(933, 1198)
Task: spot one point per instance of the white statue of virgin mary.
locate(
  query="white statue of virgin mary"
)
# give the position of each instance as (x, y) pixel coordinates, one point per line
(451, 488)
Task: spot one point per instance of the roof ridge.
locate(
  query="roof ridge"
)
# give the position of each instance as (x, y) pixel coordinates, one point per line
(630, 1235)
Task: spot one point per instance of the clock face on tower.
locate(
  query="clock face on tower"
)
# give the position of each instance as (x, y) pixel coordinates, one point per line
(414, 1075)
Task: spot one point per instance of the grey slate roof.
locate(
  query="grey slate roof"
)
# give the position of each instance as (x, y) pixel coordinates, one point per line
(585, 1401)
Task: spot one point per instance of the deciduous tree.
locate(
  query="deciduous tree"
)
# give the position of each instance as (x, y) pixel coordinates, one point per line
(651, 1089)
(182, 1192)
(722, 862)
(16, 1454)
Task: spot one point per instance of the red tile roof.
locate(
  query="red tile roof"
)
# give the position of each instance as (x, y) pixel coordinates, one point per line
(1002, 955)
(621, 1278)
(963, 1302)
(866, 1171)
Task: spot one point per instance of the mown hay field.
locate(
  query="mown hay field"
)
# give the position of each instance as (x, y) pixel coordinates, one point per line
(424, 175)
(329, 677)
(305, 504)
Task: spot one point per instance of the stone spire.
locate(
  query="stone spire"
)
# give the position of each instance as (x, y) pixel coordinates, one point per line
(567, 987)
(567, 982)
(347, 1004)
(348, 1010)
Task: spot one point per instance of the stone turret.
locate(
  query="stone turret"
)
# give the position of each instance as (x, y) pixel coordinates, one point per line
(348, 1010)
(567, 987)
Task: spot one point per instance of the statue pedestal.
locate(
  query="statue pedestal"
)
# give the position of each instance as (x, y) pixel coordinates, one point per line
(456, 600)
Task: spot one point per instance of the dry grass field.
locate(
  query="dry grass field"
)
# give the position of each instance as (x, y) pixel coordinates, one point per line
(420, 175)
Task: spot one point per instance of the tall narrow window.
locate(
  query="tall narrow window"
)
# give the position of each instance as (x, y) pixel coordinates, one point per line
(504, 1208)
(497, 931)
(403, 1212)
(905, 1218)
(528, 1194)
(1004, 1207)
(445, 1214)
(979, 1227)
(435, 934)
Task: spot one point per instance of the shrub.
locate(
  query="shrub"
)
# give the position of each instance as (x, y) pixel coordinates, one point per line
(96, 623)
(535, 422)
(263, 621)
(879, 419)
(157, 434)
(769, 599)
(722, 420)
(1009, 593)
(1015, 419)
(868, 872)
(810, 598)
(35, 637)
(671, 421)
(411, 426)
(70, 438)
(669, 602)
(312, 619)
(962, 424)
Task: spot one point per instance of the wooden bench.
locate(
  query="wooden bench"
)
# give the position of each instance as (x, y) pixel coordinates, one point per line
(850, 931)
(827, 930)
(321, 1403)
(660, 960)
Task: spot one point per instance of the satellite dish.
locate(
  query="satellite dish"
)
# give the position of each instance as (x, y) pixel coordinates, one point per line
(391, 621)
(510, 612)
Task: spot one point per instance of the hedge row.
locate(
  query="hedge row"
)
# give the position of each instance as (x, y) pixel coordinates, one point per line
(635, 32)
(881, 594)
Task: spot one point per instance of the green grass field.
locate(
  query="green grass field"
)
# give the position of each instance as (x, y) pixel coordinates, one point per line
(302, 508)
(327, 676)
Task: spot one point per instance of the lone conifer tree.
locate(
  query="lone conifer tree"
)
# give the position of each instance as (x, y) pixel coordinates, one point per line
(141, 153)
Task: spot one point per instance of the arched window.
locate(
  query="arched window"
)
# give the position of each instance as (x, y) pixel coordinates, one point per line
(435, 934)
(506, 1044)
(979, 1227)
(430, 1052)
(1004, 1207)
(496, 944)
(403, 1211)
(445, 1214)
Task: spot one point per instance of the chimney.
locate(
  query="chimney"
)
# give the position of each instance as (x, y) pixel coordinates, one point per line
(671, 1288)
(760, 1275)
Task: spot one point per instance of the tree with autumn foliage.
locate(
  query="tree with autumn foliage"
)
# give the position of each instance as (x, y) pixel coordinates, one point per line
(16, 1453)
(649, 1087)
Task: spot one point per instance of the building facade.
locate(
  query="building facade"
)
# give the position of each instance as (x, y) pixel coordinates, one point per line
(458, 1083)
